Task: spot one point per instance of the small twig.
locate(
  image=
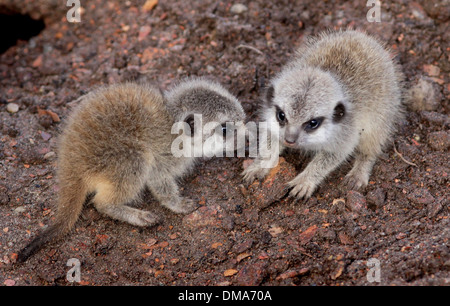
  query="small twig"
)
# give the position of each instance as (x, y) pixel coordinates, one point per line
(402, 158)
(251, 48)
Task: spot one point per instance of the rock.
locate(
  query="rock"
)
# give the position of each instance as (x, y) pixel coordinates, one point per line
(274, 186)
(433, 209)
(432, 70)
(252, 274)
(4, 197)
(421, 196)
(307, 235)
(49, 155)
(292, 273)
(238, 8)
(435, 118)
(46, 136)
(345, 239)
(207, 216)
(143, 32)
(12, 108)
(439, 141)
(243, 246)
(337, 207)
(356, 202)
(437, 9)
(376, 198)
(149, 5)
(19, 210)
(423, 96)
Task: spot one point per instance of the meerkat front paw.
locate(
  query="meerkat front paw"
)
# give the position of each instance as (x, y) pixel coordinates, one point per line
(355, 182)
(302, 187)
(184, 206)
(358, 177)
(145, 219)
(254, 171)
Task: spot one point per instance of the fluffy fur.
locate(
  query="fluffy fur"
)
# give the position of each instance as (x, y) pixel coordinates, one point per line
(118, 141)
(346, 82)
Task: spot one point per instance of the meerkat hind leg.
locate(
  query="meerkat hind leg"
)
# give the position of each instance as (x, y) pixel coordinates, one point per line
(112, 202)
(165, 190)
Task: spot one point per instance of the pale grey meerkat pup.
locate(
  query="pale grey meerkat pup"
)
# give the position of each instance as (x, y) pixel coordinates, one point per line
(118, 140)
(340, 96)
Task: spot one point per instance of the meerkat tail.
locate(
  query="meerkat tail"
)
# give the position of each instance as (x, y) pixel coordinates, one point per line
(70, 205)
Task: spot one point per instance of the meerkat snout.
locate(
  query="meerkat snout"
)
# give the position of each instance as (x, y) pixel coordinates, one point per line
(339, 97)
(119, 141)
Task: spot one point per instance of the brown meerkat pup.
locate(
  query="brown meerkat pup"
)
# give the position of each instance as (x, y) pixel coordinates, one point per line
(119, 140)
(339, 96)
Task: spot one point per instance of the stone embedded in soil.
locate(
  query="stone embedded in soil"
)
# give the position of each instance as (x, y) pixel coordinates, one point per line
(12, 108)
(238, 8)
(439, 141)
(432, 70)
(4, 198)
(274, 185)
(434, 208)
(307, 235)
(208, 216)
(421, 196)
(252, 274)
(376, 198)
(292, 273)
(435, 118)
(356, 202)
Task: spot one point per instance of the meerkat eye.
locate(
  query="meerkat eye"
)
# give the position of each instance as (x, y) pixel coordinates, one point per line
(190, 120)
(313, 124)
(224, 129)
(281, 116)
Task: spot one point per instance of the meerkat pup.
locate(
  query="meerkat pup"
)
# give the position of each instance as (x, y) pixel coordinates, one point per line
(339, 96)
(118, 141)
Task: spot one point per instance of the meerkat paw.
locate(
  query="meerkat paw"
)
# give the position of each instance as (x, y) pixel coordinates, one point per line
(185, 206)
(254, 171)
(355, 181)
(146, 219)
(302, 187)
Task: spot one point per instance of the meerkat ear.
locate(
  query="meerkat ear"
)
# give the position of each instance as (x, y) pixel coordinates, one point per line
(190, 120)
(339, 112)
(269, 95)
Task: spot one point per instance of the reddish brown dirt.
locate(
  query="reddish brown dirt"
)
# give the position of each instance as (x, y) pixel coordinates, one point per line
(239, 235)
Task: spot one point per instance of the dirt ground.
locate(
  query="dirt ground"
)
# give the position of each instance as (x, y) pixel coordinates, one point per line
(239, 235)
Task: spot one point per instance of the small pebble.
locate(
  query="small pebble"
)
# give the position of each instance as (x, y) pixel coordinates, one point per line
(12, 107)
(49, 155)
(238, 8)
(20, 209)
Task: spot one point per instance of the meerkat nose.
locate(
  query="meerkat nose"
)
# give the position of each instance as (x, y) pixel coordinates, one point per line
(289, 140)
(290, 135)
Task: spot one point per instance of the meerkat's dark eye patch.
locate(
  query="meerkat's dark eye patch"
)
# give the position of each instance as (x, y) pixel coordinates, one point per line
(270, 94)
(313, 124)
(339, 112)
(190, 120)
(281, 116)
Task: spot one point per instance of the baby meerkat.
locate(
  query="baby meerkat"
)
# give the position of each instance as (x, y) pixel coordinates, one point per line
(340, 96)
(119, 140)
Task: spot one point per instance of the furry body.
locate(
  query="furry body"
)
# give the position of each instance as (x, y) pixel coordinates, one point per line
(118, 141)
(339, 96)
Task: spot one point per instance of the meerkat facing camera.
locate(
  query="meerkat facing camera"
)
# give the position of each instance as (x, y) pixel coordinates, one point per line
(118, 141)
(339, 96)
